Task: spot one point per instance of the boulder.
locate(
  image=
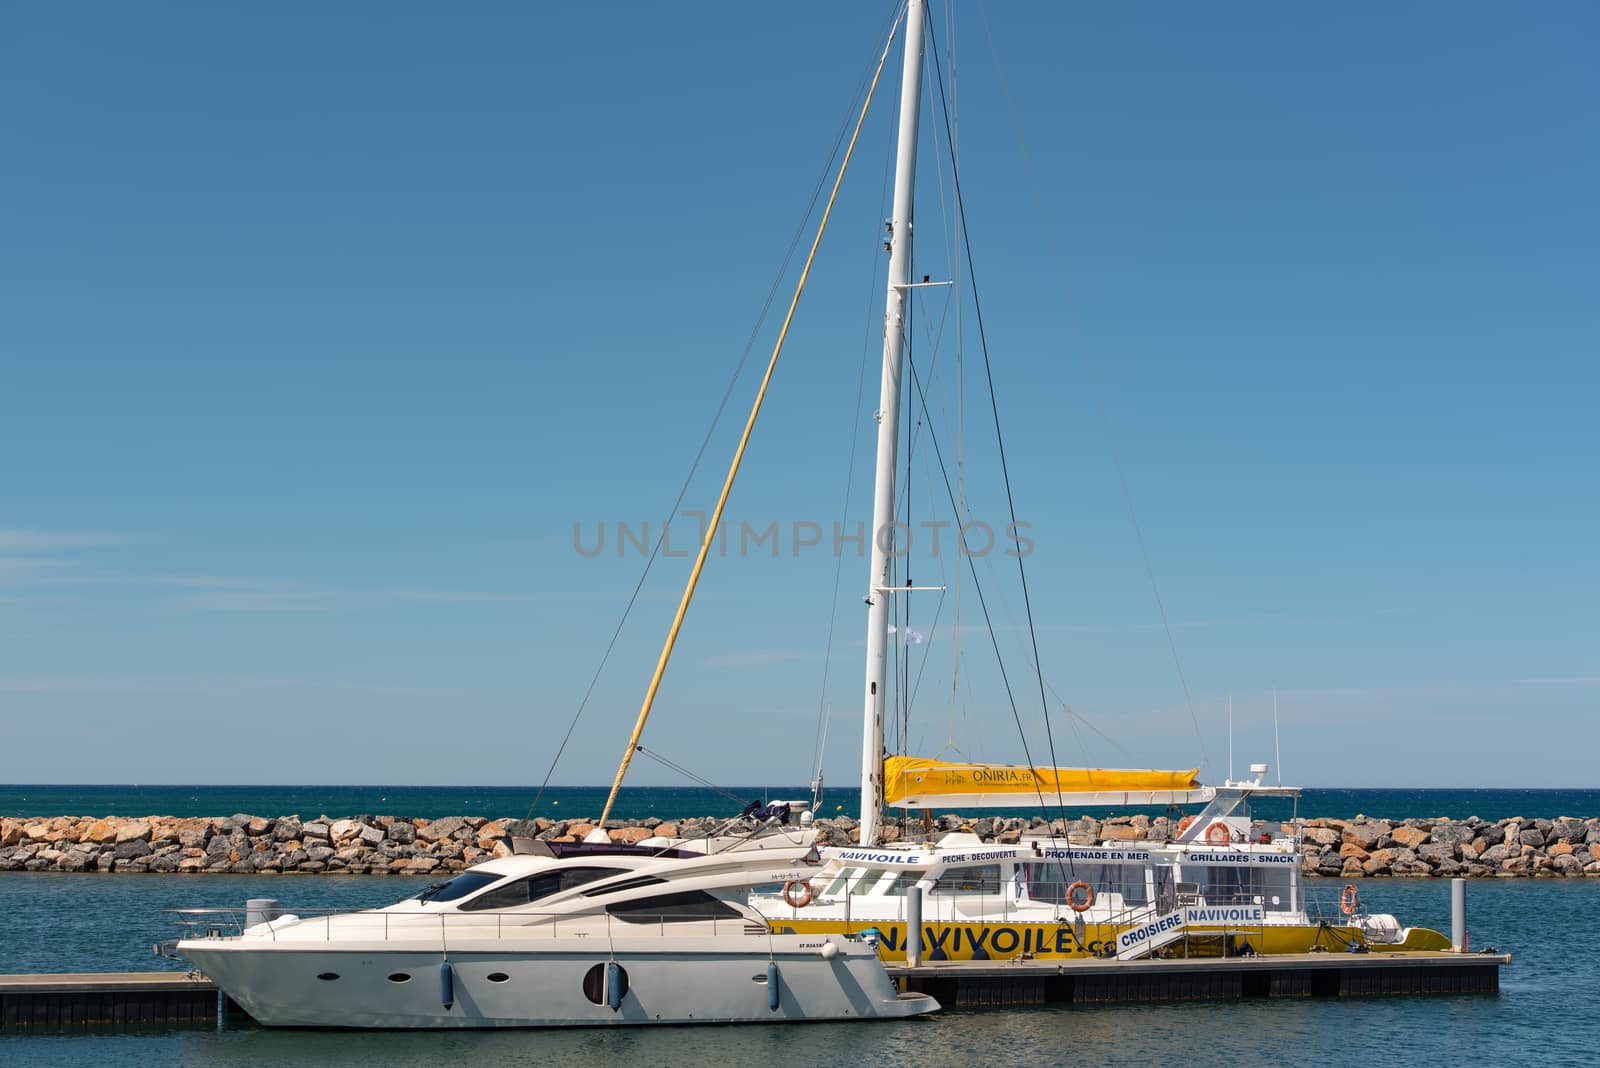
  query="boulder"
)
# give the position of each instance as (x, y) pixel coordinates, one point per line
(492, 831)
(1448, 833)
(440, 829)
(287, 829)
(1365, 835)
(1409, 837)
(670, 830)
(342, 831)
(315, 829)
(370, 835)
(1322, 836)
(1569, 830)
(1531, 837)
(1560, 849)
(402, 832)
(1434, 853)
(132, 849)
(419, 865)
(101, 832)
(1567, 864)
(631, 835)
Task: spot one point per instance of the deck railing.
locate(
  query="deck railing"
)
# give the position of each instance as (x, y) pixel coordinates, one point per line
(342, 925)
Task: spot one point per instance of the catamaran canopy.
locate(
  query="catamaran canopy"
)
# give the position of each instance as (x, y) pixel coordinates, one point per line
(915, 782)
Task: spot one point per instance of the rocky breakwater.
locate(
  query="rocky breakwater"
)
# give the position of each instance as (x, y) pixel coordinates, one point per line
(243, 844)
(1472, 847)
(384, 845)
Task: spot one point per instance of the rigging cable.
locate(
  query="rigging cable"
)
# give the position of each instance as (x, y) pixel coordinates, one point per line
(738, 454)
(849, 485)
(1100, 410)
(972, 278)
(716, 418)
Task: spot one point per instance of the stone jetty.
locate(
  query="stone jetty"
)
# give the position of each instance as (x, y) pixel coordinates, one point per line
(392, 845)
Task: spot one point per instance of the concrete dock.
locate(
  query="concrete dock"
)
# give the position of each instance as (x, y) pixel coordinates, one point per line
(975, 984)
(112, 1000)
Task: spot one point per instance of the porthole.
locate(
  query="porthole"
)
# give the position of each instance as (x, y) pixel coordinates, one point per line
(327, 977)
(399, 977)
(498, 977)
(594, 984)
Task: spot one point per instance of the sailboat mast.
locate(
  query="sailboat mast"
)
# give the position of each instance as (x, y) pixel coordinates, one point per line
(888, 417)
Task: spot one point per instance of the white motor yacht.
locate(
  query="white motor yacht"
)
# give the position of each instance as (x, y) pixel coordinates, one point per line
(567, 935)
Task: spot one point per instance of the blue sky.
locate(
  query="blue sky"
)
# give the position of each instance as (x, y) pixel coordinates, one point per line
(320, 328)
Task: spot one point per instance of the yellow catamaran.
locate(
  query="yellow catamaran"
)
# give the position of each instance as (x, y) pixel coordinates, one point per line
(1223, 884)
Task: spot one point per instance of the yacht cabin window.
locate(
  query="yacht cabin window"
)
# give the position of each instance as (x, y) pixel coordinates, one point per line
(1048, 883)
(468, 882)
(974, 879)
(902, 882)
(533, 887)
(840, 881)
(688, 906)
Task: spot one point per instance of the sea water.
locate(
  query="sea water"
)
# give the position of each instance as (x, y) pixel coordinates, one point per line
(672, 802)
(1546, 1011)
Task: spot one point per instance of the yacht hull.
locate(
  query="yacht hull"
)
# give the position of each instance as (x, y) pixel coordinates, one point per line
(695, 980)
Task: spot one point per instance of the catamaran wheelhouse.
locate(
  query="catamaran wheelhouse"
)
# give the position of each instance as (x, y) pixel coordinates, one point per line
(1225, 884)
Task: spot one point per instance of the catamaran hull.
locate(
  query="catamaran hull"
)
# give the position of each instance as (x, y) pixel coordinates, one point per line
(287, 985)
(990, 940)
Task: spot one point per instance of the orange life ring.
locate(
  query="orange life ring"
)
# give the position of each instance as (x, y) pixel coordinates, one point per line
(1185, 823)
(1218, 834)
(1072, 896)
(797, 893)
(1349, 900)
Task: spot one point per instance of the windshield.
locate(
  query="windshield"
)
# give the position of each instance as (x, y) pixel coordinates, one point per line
(535, 887)
(466, 883)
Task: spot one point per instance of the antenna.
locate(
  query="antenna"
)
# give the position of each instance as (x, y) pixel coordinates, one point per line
(1230, 735)
(1277, 754)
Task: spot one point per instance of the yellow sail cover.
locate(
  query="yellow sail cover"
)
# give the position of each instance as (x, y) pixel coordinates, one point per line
(925, 781)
